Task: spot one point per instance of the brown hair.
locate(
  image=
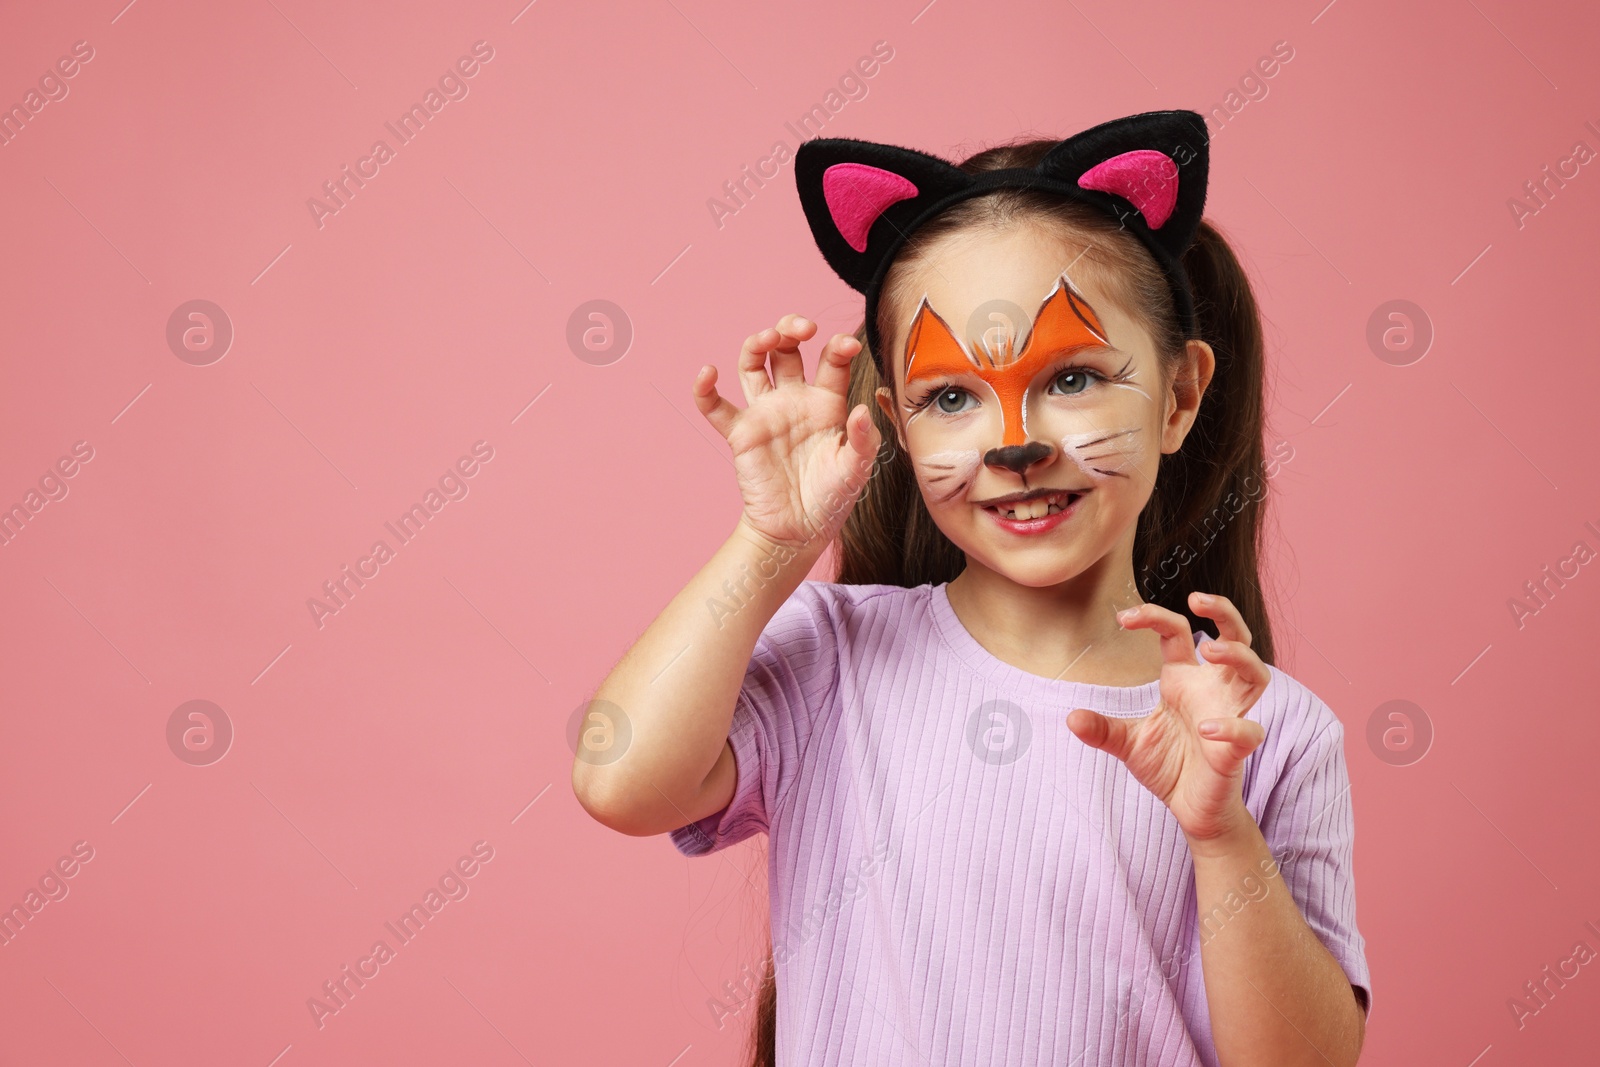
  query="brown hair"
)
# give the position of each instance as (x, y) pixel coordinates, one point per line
(889, 537)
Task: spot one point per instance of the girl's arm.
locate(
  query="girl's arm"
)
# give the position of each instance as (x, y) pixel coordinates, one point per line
(802, 457)
(1277, 996)
(678, 685)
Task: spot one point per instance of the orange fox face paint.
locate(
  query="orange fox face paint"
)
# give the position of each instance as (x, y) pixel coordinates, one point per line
(1064, 323)
(1090, 428)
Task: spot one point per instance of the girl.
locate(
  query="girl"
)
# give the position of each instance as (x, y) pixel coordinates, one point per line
(1018, 811)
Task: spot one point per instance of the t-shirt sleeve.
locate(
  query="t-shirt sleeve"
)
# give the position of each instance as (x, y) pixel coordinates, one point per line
(1309, 825)
(793, 674)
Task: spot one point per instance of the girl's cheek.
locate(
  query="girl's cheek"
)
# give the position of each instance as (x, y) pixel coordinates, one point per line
(1104, 445)
(946, 475)
(973, 431)
(1107, 439)
(1106, 454)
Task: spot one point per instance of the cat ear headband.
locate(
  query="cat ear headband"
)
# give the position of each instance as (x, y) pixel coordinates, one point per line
(864, 199)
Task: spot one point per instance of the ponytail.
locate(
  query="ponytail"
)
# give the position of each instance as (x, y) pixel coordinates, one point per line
(1202, 526)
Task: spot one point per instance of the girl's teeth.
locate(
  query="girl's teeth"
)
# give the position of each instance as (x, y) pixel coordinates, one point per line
(1036, 509)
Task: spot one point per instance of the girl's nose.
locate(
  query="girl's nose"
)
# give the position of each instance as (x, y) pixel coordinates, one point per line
(1018, 458)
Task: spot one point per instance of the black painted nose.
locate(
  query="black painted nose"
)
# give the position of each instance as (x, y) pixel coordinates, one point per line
(1017, 458)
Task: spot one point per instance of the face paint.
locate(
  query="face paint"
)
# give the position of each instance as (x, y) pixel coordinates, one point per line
(1065, 323)
(948, 474)
(1102, 454)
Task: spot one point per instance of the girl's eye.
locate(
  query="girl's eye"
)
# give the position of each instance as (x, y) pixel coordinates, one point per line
(952, 400)
(1074, 380)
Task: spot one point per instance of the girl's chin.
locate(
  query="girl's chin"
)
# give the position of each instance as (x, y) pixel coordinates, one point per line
(1047, 575)
(1037, 561)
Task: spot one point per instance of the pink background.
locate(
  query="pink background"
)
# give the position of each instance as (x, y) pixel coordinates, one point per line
(371, 353)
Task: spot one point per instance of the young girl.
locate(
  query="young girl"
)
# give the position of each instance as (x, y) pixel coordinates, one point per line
(1018, 811)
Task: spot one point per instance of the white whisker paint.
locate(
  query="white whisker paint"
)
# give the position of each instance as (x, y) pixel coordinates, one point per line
(958, 465)
(1102, 453)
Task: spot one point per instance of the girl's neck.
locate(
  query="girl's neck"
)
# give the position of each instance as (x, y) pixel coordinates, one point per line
(1068, 632)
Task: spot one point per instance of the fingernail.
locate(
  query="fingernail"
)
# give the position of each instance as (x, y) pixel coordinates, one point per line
(1210, 727)
(801, 324)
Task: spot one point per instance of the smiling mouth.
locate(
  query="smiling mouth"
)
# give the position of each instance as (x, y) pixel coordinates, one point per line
(1035, 507)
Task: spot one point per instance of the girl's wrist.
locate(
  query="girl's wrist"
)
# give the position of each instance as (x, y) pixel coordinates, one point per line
(771, 563)
(783, 554)
(1234, 834)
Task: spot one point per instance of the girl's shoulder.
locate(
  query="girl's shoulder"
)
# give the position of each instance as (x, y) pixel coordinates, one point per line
(841, 600)
(832, 615)
(1297, 720)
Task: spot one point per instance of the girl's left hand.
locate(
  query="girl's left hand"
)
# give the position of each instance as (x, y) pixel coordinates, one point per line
(1197, 774)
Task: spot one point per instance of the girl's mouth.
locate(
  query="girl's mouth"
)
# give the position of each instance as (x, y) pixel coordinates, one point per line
(1038, 515)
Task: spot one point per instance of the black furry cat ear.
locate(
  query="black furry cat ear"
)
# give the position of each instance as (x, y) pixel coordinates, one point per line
(861, 198)
(1149, 170)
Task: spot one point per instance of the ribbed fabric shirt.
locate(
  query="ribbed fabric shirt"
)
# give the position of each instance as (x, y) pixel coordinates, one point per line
(956, 878)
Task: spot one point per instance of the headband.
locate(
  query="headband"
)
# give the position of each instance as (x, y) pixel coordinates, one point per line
(864, 199)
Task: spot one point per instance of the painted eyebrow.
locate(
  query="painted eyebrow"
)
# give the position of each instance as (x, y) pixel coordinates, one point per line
(976, 372)
(1109, 351)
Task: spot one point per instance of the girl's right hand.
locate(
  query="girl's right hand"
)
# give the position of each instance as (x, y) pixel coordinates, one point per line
(796, 444)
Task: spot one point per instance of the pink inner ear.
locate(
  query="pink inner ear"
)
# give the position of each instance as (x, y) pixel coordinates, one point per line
(857, 194)
(1146, 178)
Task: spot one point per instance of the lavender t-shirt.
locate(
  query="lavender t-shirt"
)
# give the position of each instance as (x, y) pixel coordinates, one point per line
(956, 878)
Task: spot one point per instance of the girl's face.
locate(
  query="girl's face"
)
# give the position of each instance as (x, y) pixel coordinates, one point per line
(1033, 410)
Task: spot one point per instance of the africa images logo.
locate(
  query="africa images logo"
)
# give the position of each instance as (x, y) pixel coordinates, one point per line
(999, 732)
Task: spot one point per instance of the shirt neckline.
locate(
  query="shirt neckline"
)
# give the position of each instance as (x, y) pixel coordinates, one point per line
(1124, 701)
